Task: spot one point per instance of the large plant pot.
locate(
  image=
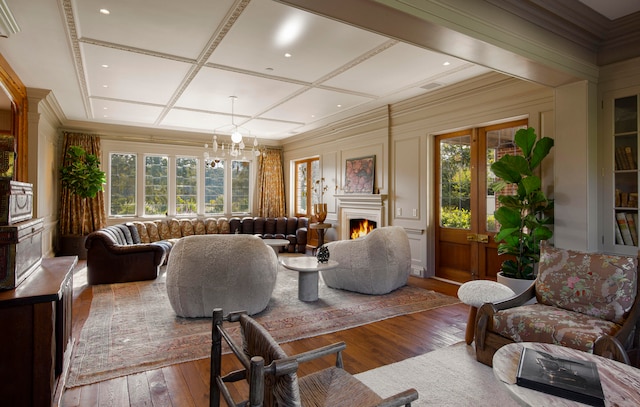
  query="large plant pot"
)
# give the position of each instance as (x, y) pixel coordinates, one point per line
(516, 284)
(73, 245)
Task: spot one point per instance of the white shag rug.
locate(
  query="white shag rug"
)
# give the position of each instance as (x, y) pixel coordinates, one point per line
(445, 377)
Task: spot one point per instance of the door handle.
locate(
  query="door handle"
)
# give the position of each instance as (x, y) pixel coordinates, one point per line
(474, 237)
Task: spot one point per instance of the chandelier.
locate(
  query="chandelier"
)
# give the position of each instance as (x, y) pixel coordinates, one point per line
(234, 149)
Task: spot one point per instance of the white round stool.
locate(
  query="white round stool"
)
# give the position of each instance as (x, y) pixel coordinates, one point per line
(477, 292)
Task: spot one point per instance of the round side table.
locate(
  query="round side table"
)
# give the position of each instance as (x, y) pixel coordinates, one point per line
(477, 292)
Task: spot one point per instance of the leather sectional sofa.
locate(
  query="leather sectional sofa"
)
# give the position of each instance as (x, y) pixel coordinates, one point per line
(134, 251)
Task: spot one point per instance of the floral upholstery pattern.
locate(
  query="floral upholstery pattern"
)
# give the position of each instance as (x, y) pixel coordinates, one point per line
(223, 225)
(152, 230)
(142, 231)
(174, 228)
(597, 285)
(198, 227)
(187, 227)
(163, 229)
(211, 225)
(549, 324)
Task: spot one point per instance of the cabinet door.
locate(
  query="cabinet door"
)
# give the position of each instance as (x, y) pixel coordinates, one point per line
(621, 124)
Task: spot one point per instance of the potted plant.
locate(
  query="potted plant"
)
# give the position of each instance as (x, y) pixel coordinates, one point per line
(83, 177)
(525, 214)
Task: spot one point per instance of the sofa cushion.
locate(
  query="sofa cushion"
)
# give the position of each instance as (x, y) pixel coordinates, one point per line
(125, 233)
(135, 236)
(223, 226)
(597, 285)
(186, 227)
(548, 324)
(174, 229)
(163, 229)
(211, 225)
(152, 230)
(142, 232)
(199, 227)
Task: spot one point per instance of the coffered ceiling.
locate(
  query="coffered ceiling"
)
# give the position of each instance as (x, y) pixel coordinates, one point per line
(175, 64)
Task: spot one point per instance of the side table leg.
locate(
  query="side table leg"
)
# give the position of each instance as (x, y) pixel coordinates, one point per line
(308, 286)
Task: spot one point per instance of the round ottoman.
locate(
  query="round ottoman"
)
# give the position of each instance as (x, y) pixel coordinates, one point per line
(229, 271)
(477, 292)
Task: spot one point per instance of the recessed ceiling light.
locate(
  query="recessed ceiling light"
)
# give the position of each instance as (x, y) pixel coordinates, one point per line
(268, 69)
(105, 86)
(313, 115)
(446, 63)
(287, 55)
(339, 105)
(105, 11)
(104, 65)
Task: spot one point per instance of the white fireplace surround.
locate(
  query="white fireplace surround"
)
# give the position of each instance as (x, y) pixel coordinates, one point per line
(360, 206)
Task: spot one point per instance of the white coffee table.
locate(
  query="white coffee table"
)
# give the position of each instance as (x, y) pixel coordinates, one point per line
(307, 268)
(276, 244)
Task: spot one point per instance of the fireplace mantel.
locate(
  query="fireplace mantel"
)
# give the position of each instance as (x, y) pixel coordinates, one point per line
(366, 206)
(361, 200)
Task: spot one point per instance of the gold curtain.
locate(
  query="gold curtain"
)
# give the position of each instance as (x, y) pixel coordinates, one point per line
(71, 205)
(270, 184)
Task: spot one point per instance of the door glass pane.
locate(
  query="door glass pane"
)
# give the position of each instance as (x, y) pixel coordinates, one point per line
(455, 182)
(186, 185)
(315, 176)
(122, 184)
(155, 185)
(301, 188)
(214, 188)
(499, 143)
(240, 186)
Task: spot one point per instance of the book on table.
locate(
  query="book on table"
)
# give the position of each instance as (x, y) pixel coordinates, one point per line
(572, 379)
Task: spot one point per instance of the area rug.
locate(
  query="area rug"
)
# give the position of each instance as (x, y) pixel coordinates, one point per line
(449, 376)
(132, 328)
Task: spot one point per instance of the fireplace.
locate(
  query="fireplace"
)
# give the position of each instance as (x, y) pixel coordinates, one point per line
(358, 208)
(359, 227)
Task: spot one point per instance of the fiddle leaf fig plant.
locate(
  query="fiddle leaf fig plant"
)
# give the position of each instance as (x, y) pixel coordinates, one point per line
(525, 215)
(82, 175)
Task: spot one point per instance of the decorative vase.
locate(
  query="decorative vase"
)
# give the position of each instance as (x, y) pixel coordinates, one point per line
(323, 254)
(320, 210)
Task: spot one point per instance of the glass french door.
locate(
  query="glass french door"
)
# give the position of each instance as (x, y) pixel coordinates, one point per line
(465, 248)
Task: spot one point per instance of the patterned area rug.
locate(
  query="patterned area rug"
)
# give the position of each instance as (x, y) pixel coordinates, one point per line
(132, 328)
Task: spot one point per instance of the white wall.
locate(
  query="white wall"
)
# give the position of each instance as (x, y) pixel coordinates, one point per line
(404, 149)
(44, 159)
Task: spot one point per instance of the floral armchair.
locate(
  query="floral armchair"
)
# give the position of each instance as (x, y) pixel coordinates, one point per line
(585, 301)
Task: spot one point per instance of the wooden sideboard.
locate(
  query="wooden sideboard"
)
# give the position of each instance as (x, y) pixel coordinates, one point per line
(35, 319)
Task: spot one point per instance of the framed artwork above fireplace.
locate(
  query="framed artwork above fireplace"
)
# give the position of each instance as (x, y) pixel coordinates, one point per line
(359, 175)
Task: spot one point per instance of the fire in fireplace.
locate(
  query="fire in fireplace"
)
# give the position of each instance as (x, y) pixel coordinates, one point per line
(360, 227)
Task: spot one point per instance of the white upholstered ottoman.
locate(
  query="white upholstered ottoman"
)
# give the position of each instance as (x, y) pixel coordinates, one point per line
(228, 271)
(477, 292)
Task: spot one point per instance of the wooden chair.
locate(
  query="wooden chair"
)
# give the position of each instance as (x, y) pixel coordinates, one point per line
(585, 301)
(272, 378)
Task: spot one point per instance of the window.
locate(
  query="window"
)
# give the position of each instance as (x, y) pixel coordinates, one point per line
(214, 188)
(156, 181)
(155, 185)
(122, 184)
(240, 186)
(186, 185)
(307, 171)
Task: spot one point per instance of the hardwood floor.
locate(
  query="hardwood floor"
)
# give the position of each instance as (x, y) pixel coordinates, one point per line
(368, 347)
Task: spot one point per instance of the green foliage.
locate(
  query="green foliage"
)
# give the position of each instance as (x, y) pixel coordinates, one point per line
(524, 216)
(453, 217)
(82, 175)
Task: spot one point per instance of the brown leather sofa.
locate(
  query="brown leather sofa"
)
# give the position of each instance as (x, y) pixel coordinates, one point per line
(113, 257)
(135, 251)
